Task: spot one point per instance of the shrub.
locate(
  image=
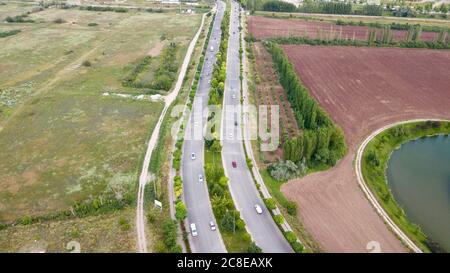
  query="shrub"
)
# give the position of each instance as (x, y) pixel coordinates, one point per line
(9, 33)
(87, 63)
(178, 186)
(292, 208)
(229, 221)
(247, 238)
(151, 217)
(26, 220)
(180, 211)
(298, 248)
(18, 19)
(270, 203)
(92, 24)
(279, 219)
(240, 224)
(124, 224)
(169, 233)
(290, 237)
(253, 248)
(284, 170)
(278, 6)
(59, 21)
(373, 158)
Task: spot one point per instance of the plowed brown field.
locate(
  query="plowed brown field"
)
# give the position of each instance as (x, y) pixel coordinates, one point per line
(362, 89)
(262, 28)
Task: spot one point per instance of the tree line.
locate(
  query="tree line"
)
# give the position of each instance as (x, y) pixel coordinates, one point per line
(321, 141)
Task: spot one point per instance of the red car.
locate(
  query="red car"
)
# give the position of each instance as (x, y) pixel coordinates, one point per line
(234, 164)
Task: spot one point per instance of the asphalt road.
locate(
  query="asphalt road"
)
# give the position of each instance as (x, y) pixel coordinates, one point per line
(196, 195)
(262, 228)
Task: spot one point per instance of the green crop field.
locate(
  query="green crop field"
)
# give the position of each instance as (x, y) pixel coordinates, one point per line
(62, 139)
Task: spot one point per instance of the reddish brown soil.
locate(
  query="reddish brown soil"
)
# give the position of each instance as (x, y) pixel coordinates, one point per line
(362, 89)
(263, 27)
(270, 92)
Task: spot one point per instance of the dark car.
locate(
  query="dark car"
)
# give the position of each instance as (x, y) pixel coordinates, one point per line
(234, 164)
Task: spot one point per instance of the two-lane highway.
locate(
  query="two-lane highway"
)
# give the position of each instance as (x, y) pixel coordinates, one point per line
(195, 191)
(263, 229)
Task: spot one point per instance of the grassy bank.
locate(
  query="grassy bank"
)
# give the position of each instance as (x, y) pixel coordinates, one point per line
(374, 164)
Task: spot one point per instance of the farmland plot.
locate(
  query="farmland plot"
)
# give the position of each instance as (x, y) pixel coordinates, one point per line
(262, 28)
(270, 92)
(362, 89)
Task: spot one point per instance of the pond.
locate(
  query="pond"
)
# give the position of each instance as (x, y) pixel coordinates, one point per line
(419, 176)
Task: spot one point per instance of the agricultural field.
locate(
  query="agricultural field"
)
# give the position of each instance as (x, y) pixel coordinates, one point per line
(362, 89)
(263, 28)
(356, 19)
(270, 92)
(70, 130)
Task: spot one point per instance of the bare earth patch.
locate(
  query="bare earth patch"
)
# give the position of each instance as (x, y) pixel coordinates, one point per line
(362, 89)
(156, 50)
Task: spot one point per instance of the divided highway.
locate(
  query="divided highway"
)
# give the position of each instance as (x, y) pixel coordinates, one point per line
(196, 196)
(262, 228)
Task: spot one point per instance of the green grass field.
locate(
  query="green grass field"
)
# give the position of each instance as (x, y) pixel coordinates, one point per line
(61, 140)
(112, 232)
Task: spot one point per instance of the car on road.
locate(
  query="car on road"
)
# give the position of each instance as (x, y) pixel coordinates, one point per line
(258, 209)
(194, 230)
(200, 178)
(234, 164)
(233, 95)
(193, 156)
(230, 135)
(212, 226)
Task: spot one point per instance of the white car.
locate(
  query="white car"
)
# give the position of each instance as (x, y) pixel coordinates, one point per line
(233, 96)
(194, 230)
(258, 209)
(193, 156)
(200, 178)
(212, 226)
(230, 135)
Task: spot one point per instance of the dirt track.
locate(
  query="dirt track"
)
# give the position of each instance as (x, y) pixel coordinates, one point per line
(362, 89)
(262, 28)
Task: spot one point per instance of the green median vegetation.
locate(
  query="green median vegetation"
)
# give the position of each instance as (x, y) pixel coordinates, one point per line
(374, 164)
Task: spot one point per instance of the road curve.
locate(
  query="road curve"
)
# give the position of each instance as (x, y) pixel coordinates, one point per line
(261, 227)
(369, 193)
(143, 178)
